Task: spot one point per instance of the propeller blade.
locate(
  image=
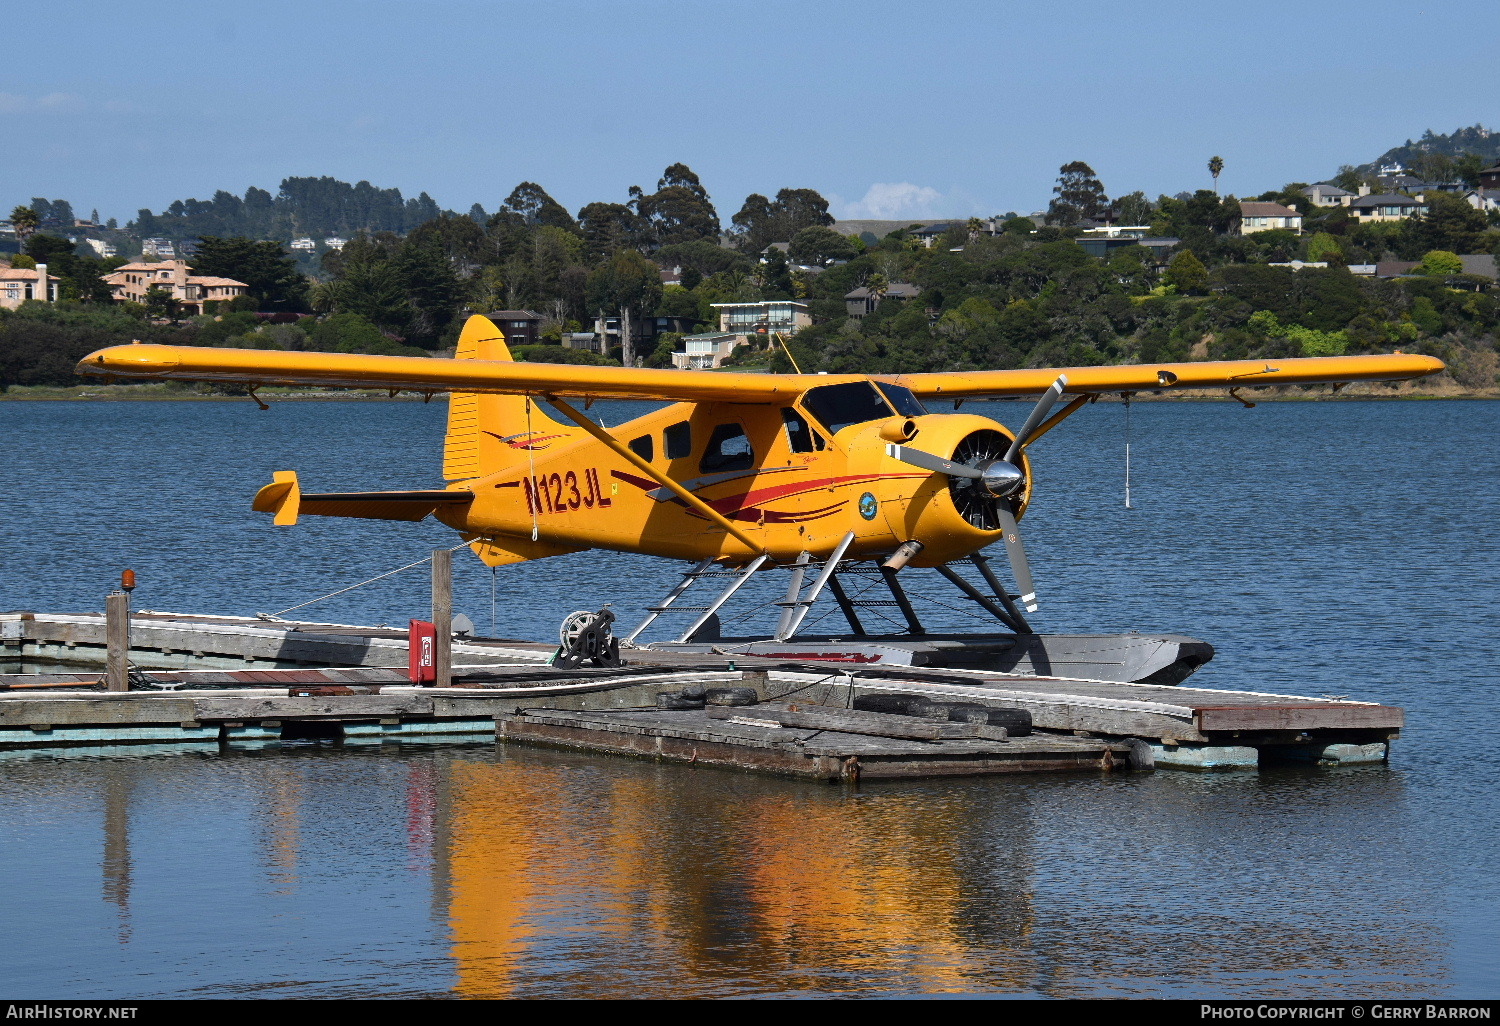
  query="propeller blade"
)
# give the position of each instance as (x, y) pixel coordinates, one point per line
(1017, 556)
(927, 461)
(1038, 414)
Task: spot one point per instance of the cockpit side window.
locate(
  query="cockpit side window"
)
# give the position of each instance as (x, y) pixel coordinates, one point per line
(800, 437)
(838, 406)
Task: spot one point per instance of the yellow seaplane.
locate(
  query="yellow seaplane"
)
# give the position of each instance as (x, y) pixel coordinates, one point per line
(741, 472)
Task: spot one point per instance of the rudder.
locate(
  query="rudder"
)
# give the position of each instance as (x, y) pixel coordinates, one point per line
(487, 433)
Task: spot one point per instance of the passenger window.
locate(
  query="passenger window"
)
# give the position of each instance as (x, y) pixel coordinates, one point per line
(643, 448)
(728, 449)
(677, 441)
(800, 437)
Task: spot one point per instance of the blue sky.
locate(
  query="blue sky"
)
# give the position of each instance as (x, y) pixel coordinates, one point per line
(888, 109)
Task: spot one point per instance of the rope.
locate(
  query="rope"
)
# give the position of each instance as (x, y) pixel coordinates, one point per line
(361, 584)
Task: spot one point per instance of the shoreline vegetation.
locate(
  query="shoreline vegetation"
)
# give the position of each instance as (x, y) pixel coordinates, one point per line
(1091, 281)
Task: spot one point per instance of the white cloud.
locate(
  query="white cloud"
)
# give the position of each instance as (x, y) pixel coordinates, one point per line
(52, 103)
(891, 200)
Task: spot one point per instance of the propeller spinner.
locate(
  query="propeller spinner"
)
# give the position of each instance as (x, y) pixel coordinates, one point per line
(984, 474)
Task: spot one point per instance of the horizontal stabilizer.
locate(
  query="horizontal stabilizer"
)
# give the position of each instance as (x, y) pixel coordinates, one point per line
(382, 505)
(284, 498)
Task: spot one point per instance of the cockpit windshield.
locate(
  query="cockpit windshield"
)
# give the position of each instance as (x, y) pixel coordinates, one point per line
(901, 398)
(858, 402)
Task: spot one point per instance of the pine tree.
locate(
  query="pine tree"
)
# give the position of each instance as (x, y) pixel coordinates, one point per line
(1080, 195)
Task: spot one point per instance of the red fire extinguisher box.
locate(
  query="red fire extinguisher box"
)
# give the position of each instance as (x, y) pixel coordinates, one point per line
(421, 659)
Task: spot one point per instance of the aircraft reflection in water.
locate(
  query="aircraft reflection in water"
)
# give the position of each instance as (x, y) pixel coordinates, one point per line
(592, 881)
(736, 881)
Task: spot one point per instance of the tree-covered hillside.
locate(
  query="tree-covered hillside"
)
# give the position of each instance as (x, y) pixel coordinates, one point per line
(1481, 142)
(301, 207)
(985, 294)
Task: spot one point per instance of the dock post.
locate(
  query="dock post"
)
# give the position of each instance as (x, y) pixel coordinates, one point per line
(117, 640)
(442, 616)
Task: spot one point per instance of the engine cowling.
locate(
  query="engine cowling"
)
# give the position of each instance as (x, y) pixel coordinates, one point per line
(952, 516)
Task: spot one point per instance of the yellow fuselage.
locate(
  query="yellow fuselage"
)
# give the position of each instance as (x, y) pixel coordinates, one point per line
(575, 493)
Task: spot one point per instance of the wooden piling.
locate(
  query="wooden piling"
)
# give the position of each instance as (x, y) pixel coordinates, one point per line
(117, 635)
(442, 615)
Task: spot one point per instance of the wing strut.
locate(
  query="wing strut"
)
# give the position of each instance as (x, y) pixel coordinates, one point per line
(613, 444)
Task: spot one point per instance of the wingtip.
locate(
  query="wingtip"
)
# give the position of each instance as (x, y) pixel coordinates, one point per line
(131, 360)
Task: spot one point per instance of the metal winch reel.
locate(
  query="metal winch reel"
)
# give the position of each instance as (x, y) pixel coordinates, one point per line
(585, 637)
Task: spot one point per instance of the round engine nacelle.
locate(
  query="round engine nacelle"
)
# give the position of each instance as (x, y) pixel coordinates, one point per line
(952, 516)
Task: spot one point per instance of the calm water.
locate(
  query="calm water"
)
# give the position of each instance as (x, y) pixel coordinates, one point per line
(1342, 548)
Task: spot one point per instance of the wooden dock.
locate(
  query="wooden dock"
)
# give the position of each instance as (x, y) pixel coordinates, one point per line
(261, 691)
(752, 737)
(185, 641)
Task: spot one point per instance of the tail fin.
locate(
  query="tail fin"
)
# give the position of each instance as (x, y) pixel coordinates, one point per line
(487, 433)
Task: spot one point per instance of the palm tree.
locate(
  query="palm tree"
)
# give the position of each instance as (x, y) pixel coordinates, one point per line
(1215, 165)
(323, 297)
(24, 221)
(877, 285)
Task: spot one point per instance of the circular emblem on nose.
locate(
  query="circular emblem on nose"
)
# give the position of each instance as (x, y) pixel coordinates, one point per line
(868, 506)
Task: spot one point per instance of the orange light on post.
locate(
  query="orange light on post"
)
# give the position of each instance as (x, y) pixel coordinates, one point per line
(127, 580)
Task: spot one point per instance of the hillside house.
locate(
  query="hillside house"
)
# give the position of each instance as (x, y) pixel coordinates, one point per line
(1387, 206)
(18, 284)
(763, 318)
(1326, 194)
(129, 284)
(706, 351)
(1260, 216)
(520, 327)
(860, 303)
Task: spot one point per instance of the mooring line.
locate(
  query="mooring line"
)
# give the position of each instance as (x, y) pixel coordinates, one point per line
(361, 584)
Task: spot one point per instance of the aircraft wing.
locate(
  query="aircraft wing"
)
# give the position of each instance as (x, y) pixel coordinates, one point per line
(1322, 370)
(429, 374)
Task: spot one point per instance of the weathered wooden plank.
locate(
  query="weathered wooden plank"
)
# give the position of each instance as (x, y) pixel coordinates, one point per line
(699, 725)
(1318, 716)
(1056, 712)
(853, 721)
(686, 750)
(894, 759)
(284, 707)
(156, 709)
